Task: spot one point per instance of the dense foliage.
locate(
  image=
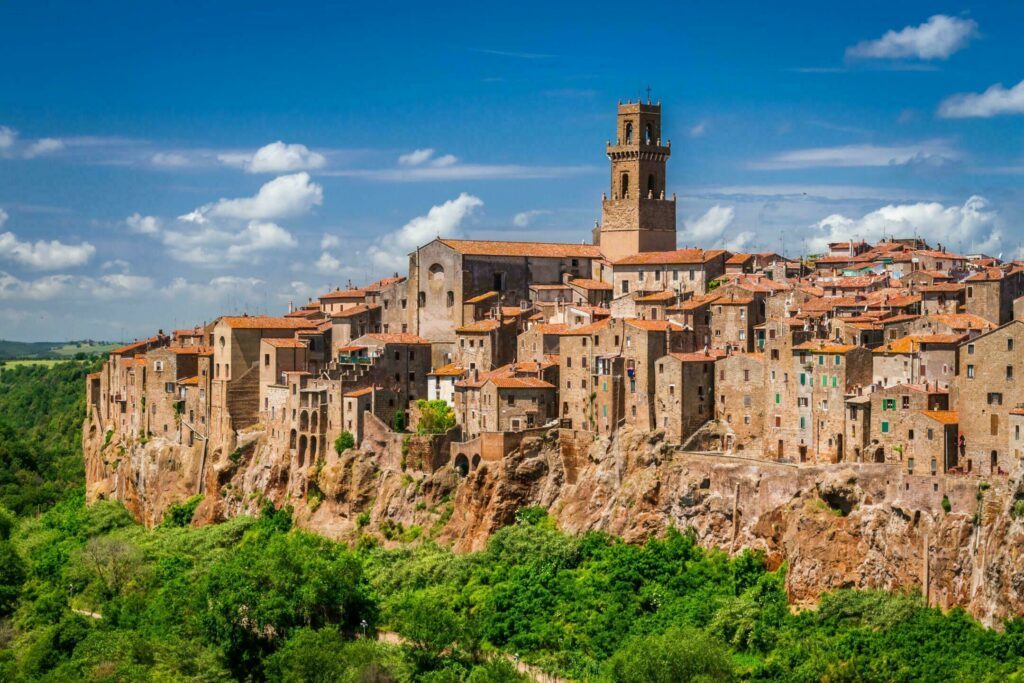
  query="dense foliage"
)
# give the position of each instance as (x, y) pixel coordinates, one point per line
(88, 594)
(436, 417)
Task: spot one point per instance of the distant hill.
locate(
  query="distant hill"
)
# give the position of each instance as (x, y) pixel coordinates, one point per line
(56, 350)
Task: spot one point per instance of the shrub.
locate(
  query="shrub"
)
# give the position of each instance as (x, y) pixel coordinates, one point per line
(398, 421)
(946, 505)
(436, 417)
(344, 442)
(181, 514)
(1017, 511)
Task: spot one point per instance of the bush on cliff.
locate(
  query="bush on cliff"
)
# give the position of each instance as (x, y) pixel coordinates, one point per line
(436, 417)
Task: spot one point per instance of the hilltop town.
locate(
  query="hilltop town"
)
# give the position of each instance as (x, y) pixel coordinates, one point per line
(898, 359)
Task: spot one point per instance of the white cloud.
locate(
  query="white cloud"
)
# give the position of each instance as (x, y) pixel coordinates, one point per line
(327, 264)
(287, 195)
(212, 245)
(116, 264)
(932, 152)
(44, 146)
(7, 137)
(445, 220)
(111, 286)
(525, 218)
(993, 102)
(420, 157)
(972, 225)
(218, 289)
(937, 38)
(712, 230)
(43, 255)
(330, 241)
(415, 157)
(277, 157)
(170, 160)
(449, 170)
(144, 225)
(3, 217)
(699, 129)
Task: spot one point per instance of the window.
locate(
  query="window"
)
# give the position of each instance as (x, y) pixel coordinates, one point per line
(746, 375)
(1009, 344)
(778, 398)
(839, 359)
(1009, 373)
(422, 298)
(629, 132)
(888, 404)
(970, 372)
(885, 427)
(625, 286)
(803, 423)
(906, 402)
(995, 399)
(450, 298)
(624, 186)
(910, 434)
(266, 359)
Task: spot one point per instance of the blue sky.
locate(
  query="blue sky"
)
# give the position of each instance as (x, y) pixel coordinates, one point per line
(162, 163)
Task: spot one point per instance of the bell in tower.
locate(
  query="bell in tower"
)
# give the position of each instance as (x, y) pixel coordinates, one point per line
(637, 216)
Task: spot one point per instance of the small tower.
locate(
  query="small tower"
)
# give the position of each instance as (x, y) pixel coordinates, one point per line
(637, 216)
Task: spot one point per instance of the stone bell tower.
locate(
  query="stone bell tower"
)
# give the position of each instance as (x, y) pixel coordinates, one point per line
(637, 216)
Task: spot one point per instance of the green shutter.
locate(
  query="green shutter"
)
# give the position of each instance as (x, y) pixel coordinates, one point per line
(885, 427)
(778, 398)
(835, 381)
(803, 379)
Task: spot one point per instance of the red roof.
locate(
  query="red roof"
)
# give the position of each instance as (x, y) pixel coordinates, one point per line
(263, 322)
(344, 294)
(398, 338)
(534, 249)
(679, 256)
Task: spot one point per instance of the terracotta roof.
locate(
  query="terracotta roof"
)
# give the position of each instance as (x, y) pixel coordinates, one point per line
(351, 347)
(587, 283)
(694, 303)
(946, 417)
(652, 325)
(190, 350)
(912, 342)
(738, 259)
(135, 346)
(481, 297)
(285, 343)
(939, 254)
(710, 356)
(479, 326)
(942, 287)
(549, 328)
(359, 392)
(358, 309)
(678, 256)
(450, 370)
(383, 282)
(734, 301)
(397, 338)
(534, 249)
(263, 322)
(520, 383)
(548, 287)
(593, 327)
(963, 321)
(189, 381)
(654, 297)
(344, 294)
(820, 346)
(191, 332)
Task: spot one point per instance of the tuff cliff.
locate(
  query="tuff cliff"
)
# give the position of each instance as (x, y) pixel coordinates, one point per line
(835, 526)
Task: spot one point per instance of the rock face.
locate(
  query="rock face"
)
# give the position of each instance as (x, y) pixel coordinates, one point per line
(836, 526)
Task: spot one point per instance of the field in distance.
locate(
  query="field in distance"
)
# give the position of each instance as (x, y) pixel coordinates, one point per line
(10, 350)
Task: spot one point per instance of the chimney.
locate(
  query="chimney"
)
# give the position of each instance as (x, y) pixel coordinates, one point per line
(291, 306)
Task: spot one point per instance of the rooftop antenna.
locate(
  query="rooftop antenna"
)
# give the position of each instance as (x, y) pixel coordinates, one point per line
(648, 93)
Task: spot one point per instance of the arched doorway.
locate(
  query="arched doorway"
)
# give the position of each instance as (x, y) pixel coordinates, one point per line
(461, 465)
(302, 450)
(314, 419)
(476, 461)
(304, 421)
(291, 440)
(879, 454)
(312, 448)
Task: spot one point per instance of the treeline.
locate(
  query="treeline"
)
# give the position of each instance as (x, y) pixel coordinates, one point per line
(87, 594)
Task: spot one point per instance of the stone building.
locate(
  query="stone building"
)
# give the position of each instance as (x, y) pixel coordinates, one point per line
(990, 292)
(917, 358)
(740, 404)
(684, 391)
(637, 217)
(540, 341)
(680, 270)
(485, 344)
(988, 387)
(892, 426)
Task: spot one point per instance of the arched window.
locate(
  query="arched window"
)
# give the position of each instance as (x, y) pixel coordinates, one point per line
(629, 133)
(647, 134)
(302, 450)
(421, 298)
(451, 298)
(652, 186)
(304, 421)
(437, 272)
(624, 186)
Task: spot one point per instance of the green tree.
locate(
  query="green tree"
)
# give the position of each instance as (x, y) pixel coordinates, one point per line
(274, 583)
(315, 656)
(673, 656)
(436, 417)
(344, 442)
(12, 577)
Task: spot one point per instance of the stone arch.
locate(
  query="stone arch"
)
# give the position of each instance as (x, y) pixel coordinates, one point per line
(652, 186)
(475, 462)
(648, 134)
(461, 465)
(304, 421)
(624, 186)
(629, 132)
(314, 420)
(312, 448)
(450, 299)
(291, 440)
(302, 450)
(880, 454)
(436, 271)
